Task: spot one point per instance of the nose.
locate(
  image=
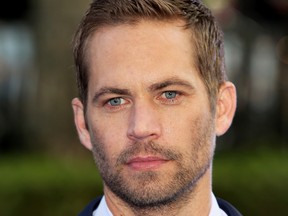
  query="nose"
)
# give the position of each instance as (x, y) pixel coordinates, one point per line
(144, 123)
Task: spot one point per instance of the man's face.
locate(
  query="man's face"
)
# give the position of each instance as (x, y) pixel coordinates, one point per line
(150, 126)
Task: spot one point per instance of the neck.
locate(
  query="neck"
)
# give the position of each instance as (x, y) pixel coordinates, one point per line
(197, 201)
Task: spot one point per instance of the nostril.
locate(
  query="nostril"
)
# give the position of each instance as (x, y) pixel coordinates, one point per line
(138, 132)
(144, 130)
(142, 137)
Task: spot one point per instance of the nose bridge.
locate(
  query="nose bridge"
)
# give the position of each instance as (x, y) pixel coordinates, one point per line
(144, 121)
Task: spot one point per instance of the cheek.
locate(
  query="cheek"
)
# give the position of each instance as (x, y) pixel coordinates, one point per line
(110, 134)
(177, 130)
(186, 126)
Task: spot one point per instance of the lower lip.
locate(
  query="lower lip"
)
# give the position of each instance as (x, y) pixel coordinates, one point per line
(146, 164)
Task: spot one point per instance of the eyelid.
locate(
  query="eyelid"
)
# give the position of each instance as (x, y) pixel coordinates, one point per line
(106, 92)
(174, 91)
(104, 99)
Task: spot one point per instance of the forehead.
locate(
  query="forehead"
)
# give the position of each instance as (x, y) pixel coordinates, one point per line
(140, 32)
(155, 48)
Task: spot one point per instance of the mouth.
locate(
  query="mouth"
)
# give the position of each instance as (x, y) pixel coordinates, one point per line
(146, 163)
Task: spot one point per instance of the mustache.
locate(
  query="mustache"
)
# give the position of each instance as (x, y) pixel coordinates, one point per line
(150, 148)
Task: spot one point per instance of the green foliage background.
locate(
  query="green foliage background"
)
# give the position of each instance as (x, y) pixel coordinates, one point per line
(255, 182)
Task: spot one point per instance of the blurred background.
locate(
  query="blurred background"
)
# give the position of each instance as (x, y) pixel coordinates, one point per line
(45, 171)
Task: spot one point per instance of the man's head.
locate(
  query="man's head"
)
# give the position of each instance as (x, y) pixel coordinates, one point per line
(153, 97)
(205, 35)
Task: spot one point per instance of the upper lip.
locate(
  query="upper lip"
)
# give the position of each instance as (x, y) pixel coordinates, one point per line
(146, 159)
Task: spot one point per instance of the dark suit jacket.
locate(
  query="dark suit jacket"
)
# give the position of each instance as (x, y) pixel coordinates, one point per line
(224, 205)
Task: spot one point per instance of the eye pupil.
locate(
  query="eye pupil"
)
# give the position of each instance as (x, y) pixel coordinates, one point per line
(115, 102)
(170, 94)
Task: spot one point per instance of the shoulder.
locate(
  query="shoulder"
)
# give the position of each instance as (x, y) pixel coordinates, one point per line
(88, 210)
(228, 208)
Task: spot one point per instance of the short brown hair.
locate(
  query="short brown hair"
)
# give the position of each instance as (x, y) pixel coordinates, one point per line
(207, 36)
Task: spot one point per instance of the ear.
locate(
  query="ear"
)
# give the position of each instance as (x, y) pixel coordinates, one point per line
(225, 108)
(79, 119)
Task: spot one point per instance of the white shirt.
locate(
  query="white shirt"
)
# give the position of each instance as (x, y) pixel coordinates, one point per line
(103, 209)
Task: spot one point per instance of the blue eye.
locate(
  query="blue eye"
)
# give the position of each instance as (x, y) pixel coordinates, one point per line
(170, 94)
(115, 101)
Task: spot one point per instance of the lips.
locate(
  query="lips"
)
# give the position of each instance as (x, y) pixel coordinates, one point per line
(146, 163)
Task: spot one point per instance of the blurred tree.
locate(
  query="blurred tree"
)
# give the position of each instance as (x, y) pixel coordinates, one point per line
(272, 15)
(252, 30)
(16, 59)
(14, 10)
(55, 23)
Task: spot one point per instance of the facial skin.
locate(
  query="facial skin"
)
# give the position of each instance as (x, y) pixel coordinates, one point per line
(150, 127)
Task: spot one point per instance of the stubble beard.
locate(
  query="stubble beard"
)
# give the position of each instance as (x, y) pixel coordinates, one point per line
(148, 190)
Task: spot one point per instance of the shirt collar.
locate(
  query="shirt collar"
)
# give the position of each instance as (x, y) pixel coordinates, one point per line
(103, 209)
(215, 209)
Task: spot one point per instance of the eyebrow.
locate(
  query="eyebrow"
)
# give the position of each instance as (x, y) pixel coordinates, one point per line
(110, 90)
(171, 82)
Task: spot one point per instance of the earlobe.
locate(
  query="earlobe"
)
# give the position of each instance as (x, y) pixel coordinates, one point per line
(79, 119)
(226, 107)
